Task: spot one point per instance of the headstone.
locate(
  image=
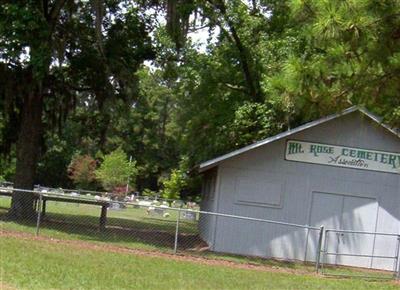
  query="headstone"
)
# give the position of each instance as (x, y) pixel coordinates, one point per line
(115, 206)
(189, 215)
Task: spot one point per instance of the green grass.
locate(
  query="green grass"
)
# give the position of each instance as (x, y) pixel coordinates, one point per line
(89, 214)
(33, 264)
(141, 231)
(130, 227)
(341, 271)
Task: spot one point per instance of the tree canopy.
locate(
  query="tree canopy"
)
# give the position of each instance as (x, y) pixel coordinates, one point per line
(88, 77)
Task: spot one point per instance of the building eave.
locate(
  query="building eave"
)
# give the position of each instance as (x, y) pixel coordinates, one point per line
(215, 161)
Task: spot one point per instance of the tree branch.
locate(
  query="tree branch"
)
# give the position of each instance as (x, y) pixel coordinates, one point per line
(252, 83)
(55, 12)
(235, 88)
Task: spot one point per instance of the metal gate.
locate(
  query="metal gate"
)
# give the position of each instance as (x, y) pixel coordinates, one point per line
(360, 249)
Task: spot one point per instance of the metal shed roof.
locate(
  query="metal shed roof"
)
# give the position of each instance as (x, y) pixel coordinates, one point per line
(214, 162)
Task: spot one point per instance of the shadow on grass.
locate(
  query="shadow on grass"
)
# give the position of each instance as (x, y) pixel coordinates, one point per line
(257, 261)
(160, 234)
(340, 271)
(149, 232)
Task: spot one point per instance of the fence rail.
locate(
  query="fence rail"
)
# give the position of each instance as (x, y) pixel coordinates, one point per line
(348, 247)
(54, 190)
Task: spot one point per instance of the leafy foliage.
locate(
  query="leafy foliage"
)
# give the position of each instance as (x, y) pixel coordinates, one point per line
(173, 185)
(148, 192)
(266, 66)
(253, 122)
(348, 55)
(115, 170)
(81, 171)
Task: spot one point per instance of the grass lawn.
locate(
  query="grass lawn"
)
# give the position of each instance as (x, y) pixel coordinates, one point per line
(134, 228)
(130, 227)
(38, 264)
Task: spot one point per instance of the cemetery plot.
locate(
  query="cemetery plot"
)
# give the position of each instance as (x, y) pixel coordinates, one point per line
(144, 224)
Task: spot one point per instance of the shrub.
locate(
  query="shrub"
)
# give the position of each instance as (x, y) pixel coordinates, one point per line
(118, 193)
(81, 170)
(149, 192)
(116, 170)
(173, 186)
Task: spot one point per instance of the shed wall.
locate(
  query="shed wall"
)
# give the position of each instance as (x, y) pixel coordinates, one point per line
(296, 182)
(209, 197)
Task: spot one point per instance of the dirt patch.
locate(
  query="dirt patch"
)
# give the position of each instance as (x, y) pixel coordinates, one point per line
(4, 286)
(149, 253)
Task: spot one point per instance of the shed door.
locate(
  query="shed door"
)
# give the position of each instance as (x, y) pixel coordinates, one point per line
(344, 212)
(359, 214)
(326, 210)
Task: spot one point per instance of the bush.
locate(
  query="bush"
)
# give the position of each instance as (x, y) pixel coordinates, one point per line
(118, 193)
(116, 170)
(173, 186)
(149, 192)
(81, 171)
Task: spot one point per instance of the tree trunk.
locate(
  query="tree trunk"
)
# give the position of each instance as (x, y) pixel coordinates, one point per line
(30, 131)
(249, 70)
(28, 149)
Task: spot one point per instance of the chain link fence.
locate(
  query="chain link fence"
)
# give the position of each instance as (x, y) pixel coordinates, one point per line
(178, 227)
(356, 248)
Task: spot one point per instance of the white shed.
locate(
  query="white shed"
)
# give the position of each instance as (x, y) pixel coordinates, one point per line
(342, 171)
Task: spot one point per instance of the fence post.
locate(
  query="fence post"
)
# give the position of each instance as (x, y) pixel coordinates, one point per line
(103, 217)
(39, 214)
(177, 231)
(397, 265)
(319, 248)
(324, 251)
